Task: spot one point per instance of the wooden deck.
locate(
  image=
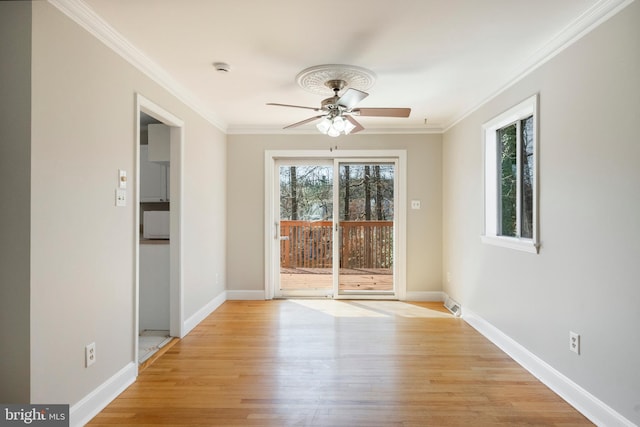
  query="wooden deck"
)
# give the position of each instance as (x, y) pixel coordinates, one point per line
(361, 279)
(363, 244)
(366, 255)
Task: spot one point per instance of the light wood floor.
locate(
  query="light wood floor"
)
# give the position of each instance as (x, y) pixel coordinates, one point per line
(336, 363)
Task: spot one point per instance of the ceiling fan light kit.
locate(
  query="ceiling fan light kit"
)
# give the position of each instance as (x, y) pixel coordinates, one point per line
(338, 111)
(336, 126)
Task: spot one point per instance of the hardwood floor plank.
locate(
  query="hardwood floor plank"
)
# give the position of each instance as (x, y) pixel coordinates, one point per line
(336, 363)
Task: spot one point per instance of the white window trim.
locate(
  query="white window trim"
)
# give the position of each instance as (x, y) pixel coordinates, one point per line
(524, 109)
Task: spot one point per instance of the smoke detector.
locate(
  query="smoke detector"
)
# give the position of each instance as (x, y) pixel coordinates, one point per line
(222, 67)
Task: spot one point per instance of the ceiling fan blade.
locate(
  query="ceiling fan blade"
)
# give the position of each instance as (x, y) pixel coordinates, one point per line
(294, 106)
(358, 126)
(383, 112)
(303, 122)
(351, 97)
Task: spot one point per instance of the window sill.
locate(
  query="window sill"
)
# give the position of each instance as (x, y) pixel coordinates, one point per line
(525, 245)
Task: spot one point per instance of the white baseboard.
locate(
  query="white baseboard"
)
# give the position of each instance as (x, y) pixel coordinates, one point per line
(245, 295)
(425, 296)
(87, 408)
(587, 404)
(201, 314)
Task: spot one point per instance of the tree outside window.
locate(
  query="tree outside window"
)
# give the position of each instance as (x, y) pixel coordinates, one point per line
(510, 178)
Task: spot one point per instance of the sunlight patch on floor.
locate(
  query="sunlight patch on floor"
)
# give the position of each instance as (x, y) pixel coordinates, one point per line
(370, 308)
(399, 308)
(337, 308)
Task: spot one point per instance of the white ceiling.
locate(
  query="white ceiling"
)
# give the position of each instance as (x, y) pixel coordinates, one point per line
(441, 58)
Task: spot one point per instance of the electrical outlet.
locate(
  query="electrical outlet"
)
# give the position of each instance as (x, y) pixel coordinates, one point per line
(121, 197)
(90, 354)
(574, 342)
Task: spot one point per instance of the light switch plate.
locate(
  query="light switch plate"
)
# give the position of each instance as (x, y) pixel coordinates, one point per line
(415, 204)
(122, 179)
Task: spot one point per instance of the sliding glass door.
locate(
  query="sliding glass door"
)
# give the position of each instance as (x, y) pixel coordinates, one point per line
(335, 228)
(366, 192)
(305, 205)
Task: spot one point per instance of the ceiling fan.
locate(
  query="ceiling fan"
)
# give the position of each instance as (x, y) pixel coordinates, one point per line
(338, 111)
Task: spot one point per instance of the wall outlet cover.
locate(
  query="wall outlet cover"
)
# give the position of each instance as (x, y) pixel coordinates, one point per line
(90, 354)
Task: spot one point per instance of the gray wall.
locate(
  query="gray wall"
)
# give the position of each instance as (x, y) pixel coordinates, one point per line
(245, 202)
(82, 246)
(585, 278)
(15, 170)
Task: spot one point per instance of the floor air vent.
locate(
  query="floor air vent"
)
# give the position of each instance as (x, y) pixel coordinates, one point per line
(452, 306)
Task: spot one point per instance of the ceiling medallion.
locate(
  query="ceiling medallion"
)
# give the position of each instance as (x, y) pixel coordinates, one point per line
(313, 79)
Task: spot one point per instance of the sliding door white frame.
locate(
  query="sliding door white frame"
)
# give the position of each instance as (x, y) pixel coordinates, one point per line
(272, 262)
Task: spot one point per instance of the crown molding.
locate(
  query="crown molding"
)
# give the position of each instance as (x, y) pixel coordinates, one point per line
(84, 16)
(259, 130)
(581, 26)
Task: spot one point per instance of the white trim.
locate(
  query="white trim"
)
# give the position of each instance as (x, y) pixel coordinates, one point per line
(84, 16)
(400, 256)
(176, 227)
(176, 280)
(274, 248)
(525, 245)
(491, 167)
(523, 108)
(136, 239)
(245, 295)
(260, 130)
(433, 296)
(337, 154)
(90, 405)
(155, 110)
(87, 408)
(400, 156)
(400, 218)
(270, 226)
(583, 25)
(587, 404)
(202, 314)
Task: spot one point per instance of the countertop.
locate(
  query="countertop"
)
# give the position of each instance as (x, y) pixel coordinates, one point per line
(154, 241)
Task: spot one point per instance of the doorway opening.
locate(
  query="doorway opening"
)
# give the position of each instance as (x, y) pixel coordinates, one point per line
(338, 225)
(158, 297)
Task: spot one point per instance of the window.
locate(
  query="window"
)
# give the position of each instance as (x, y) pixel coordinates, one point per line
(510, 178)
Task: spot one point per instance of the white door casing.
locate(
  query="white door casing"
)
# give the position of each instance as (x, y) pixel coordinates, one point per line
(176, 322)
(271, 224)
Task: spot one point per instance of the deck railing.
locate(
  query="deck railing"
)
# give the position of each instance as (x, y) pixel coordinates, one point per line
(363, 244)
